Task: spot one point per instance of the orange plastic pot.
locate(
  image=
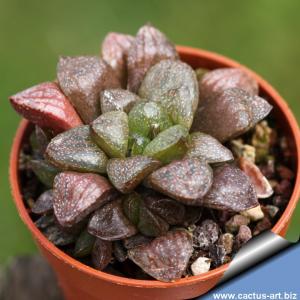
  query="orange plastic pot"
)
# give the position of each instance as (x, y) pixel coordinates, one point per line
(79, 281)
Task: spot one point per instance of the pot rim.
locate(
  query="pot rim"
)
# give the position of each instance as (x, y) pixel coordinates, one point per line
(72, 262)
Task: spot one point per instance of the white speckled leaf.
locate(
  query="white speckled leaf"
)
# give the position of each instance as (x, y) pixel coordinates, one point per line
(185, 180)
(150, 47)
(231, 190)
(207, 148)
(110, 223)
(166, 257)
(219, 80)
(78, 194)
(110, 131)
(82, 78)
(115, 48)
(75, 150)
(174, 85)
(117, 100)
(127, 173)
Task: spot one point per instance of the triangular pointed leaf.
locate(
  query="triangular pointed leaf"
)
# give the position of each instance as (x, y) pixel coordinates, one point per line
(75, 150)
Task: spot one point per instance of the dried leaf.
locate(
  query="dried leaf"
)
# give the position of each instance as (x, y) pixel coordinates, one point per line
(75, 150)
(78, 194)
(46, 106)
(127, 173)
(231, 190)
(149, 47)
(166, 257)
(82, 78)
(109, 223)
(173, 84)
(115, 48)
(185, 180)
(260, 182)
(110, 131)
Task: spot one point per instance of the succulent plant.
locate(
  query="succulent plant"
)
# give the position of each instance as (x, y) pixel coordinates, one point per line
(138, 178)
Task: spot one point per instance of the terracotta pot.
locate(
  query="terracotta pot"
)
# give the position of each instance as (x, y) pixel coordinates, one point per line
(79, 281)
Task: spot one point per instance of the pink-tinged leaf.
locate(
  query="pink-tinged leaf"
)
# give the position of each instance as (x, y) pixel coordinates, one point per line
(101, 254)
(115, 48)
(231, 190)
(46, 106)
(149, 47)
(230, 114)
(82, 78)
(166, 257)
(185, 180)
(260, 182)
(219, 80)
(76, 195)
(109, 222)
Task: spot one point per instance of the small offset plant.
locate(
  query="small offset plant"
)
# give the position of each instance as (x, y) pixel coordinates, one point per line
(141, 166)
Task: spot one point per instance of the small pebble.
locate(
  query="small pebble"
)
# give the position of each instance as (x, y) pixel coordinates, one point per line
(262, 225)
(254, 214)
(200, 265)
(243, 236)
(271, 210)
(235, 222)
(226, 240)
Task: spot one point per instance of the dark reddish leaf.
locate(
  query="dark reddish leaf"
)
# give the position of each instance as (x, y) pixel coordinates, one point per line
(135, 241)
(185, 180)
(101, 254)
(109, 222)
(192, 215)
(149, 47)
(231, 190)
(127, 173)
(150, 224)
(219, 80)
(260, 182)
(131, 206)
(44, 203)
(206, 147)
(264, 224)
(166, 257)
(46, 106)
(84, 244)
(82, 78)
(173, 84)
(170, 210)
(115, 48)
(78, 194)
(75, 150)
(117, 100)
(120, 253)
